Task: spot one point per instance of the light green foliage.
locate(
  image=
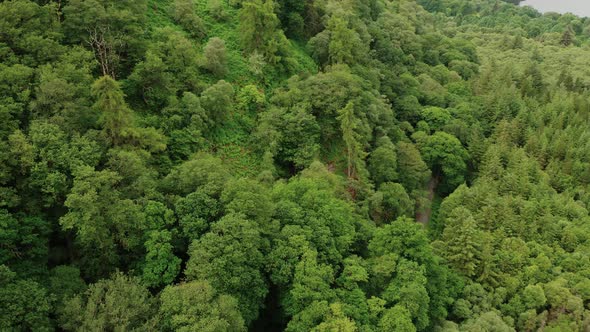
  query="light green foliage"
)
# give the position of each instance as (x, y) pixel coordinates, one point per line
(436, 117)
(404, 238)
(196, 306)
(285, 255)
(311, 283)
(218, 101)
(310, 202)
(489, 321)
(258, 165)
(397, 319)
(216, 57)
(308, 318)
(533, 296)
(251, 99)
(345, 45)
(117, 304)
(336, 321)
(405, 272)
(216, 9)
(115, 116)
(408, 290)
(184, 14)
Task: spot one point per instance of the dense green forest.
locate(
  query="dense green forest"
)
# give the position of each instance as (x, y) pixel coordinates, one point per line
(293, 165)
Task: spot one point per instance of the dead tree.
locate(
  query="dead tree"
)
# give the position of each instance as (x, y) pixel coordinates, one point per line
(105, 49)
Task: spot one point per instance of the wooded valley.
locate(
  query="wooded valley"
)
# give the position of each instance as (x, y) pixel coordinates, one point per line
(293, 165)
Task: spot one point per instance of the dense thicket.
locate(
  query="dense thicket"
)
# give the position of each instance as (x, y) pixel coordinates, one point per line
(270, 165)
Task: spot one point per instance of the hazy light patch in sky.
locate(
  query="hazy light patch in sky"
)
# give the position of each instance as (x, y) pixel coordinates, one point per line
(578, 7)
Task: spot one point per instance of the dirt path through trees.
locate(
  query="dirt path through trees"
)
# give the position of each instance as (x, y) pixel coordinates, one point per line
(423, 215)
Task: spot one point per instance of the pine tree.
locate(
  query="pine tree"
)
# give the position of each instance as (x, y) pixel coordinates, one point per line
(260, 29)
(461, 247)
(115, 116)
(354, 151)
(518, 42)
(344, 42)
(568, 37)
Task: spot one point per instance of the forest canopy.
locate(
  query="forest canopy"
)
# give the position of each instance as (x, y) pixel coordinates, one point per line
(293, 165)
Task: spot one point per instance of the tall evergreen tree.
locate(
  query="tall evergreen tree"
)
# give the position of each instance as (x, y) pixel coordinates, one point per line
(116, 117)
(355, 153)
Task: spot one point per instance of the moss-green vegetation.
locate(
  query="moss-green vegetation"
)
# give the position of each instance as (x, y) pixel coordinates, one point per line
(290, 165)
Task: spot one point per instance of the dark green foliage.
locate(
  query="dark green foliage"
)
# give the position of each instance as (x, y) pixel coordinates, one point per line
(161, 266)
(152, 81)
(237, 272)
(383, 162)
(64, 283)
(24, 243)
(445, 155)
(204, 172)
(412, 166)
(31, 33)
(112, 29)
(390, 202)
(24, 304)
(462, 246)
(101, 218)
(354, 150)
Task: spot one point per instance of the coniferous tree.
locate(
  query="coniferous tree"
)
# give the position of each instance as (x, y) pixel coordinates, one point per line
(116, 117)
(355, 153)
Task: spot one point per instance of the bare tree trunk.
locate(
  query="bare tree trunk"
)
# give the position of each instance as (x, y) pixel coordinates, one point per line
(59, 11)
(103, 50)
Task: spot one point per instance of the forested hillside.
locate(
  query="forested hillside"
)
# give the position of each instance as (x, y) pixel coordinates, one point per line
(293, 165)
